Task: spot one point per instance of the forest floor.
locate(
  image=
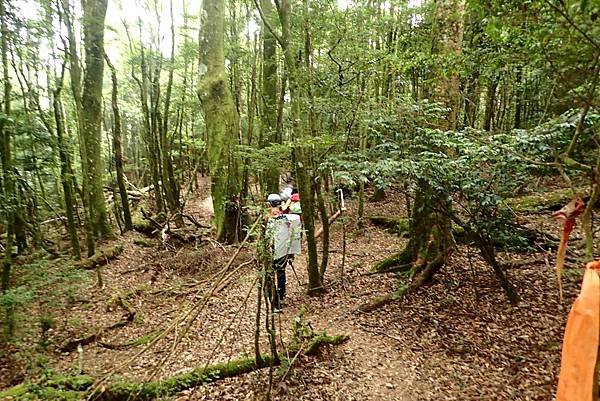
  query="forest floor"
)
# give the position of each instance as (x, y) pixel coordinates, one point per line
(458, 338)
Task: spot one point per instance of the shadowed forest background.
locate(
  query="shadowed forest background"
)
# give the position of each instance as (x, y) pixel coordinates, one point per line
(431, 143)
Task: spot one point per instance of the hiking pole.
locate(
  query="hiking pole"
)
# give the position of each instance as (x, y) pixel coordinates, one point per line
(295, 275)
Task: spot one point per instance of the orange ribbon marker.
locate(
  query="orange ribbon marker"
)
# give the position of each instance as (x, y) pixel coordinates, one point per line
(578, 374)
(569, 214)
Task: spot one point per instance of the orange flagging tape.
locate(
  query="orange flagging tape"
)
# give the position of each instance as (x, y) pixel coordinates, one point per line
(577, 380)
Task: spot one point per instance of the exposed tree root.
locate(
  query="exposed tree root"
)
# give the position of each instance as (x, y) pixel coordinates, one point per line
(97, 336)
(421, 278)
(552, 200)
(391, 262)
(144, 340)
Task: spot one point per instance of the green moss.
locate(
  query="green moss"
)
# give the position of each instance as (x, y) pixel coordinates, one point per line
(15, 392)
(79, 383)
(540, 201)
(323, 339)
(144, 243)
(59, 388)
(65, 388)
(141, 225)
(101, 257)
(177, 383)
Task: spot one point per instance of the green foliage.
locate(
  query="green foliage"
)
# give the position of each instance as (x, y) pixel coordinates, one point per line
(42, 285)
(477, 170)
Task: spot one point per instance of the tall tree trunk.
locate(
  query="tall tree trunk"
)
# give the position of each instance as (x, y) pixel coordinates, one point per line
(490, 104)
(94, 13)
(221, 122)
(65, 167)
(117, 148)
(75, 75)
(170, 185)
(302, 155)
(8, 182)
(471, 100)
(519, 97)
(269, 95)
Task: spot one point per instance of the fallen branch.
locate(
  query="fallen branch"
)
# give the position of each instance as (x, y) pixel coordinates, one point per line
(72, 345)
(144, 340)
(331, 220)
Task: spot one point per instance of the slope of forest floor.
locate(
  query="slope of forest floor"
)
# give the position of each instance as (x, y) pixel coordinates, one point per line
(456, 339)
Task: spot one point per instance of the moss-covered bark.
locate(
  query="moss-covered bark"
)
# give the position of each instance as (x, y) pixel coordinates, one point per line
(8, 182)
(65, 177)
(101, 257)
(221, 123)
(78, 387)
(94, 13)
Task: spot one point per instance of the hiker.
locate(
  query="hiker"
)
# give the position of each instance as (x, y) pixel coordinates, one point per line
(295, 207)
(289, 196)
(283, 233)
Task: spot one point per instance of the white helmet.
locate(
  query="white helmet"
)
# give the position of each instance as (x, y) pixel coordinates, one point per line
(274, 200)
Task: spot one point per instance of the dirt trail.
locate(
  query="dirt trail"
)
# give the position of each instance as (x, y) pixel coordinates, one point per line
(457, 339)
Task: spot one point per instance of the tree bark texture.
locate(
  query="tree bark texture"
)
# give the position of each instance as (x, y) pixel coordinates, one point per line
(94, 13)
(269, 114)
(118, 149)
(8, 183)
(220, 121)
(66, 177)
(431, 241)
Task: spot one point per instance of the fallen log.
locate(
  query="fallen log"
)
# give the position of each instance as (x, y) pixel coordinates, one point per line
(538, 202)
(204, 375)
(396, 225)
(100, 258)
(121, 391)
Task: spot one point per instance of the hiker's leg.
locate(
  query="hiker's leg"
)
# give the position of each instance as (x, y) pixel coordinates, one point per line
(270, 286)
(279, 267)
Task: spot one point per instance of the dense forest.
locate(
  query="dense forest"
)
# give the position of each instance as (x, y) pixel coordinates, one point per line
(431, 143)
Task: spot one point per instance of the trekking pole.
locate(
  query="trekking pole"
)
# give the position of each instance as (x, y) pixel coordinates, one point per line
(295, 275)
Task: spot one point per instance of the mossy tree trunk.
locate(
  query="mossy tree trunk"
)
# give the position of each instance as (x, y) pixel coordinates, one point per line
(220, 121)
(8, 183)
(75, 78)
(170, 184)
(302, 155)
(94, 13)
